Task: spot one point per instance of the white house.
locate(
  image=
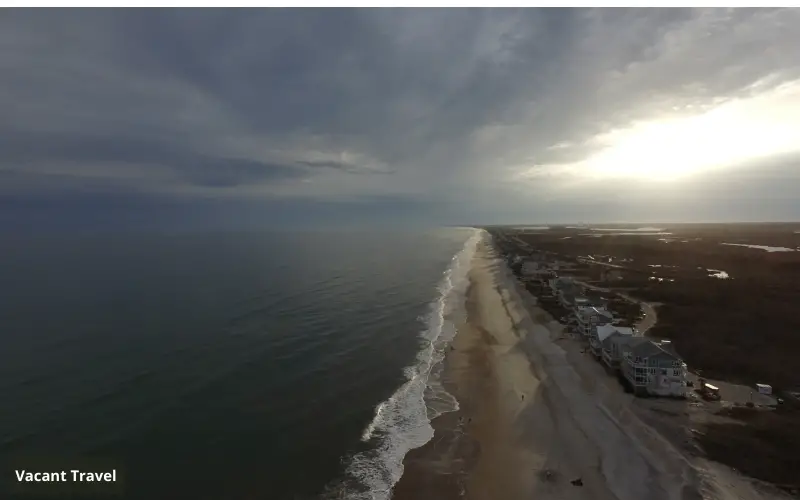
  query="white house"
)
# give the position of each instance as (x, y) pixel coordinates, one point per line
(567, 297)
(653, 369)
(590, 317)
(600, 333)
(579, 302)
(611, 346)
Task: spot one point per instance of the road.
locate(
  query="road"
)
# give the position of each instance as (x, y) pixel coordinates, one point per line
(597, 262)
(650, 316)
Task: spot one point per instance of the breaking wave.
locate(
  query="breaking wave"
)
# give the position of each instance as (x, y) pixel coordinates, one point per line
(403, 422)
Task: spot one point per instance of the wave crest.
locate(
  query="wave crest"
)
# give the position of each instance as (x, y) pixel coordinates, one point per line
(403, 422)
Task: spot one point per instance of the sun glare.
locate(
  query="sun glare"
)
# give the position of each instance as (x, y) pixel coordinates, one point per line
(737, 131)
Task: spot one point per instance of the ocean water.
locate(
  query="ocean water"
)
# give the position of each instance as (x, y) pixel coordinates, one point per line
(296, 365)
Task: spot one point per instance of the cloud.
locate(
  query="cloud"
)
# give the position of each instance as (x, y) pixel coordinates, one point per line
(439, 106)
(348, 163)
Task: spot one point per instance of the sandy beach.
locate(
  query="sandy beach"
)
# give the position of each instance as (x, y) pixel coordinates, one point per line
(533, 416)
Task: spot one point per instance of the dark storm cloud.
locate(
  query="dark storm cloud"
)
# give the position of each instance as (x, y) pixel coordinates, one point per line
(343, 166)
(31, 154)
(321, 104)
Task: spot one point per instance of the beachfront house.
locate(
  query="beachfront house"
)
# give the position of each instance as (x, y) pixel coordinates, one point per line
(598, 302)
(559, 283)
(579, 303)
(548, 286)
(566, 298)
(612, 349)
(513, 259)
(600, 333)
(546, 291)
(652, 368)
(514, 263)
(589, 318)
(537, 270)
(530, 267)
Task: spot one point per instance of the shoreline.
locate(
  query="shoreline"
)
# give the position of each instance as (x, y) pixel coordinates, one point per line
(427, 469)
(511, 428)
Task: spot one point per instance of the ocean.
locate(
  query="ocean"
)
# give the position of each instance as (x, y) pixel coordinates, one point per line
(276, 365)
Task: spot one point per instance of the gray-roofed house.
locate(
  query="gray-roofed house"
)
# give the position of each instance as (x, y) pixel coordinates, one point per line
(567, 295)
(566, 298)
(588, 318)
(559, 283)
(612, 348)
(579, 303)
(598, 302)
(602, 333)
(653, 369)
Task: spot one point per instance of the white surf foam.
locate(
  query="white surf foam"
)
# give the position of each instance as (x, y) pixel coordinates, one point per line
(403, 422)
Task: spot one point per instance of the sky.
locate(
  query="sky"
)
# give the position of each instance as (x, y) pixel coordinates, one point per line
(247, 118)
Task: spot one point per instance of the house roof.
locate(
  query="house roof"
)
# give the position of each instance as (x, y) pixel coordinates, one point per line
(601, 311)
(648, 349)
(621, 337)
(597, 316)
(629, 340)
(595, 300)
(605, 331)
(667, 347)
(604, 320)
(563, 282)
